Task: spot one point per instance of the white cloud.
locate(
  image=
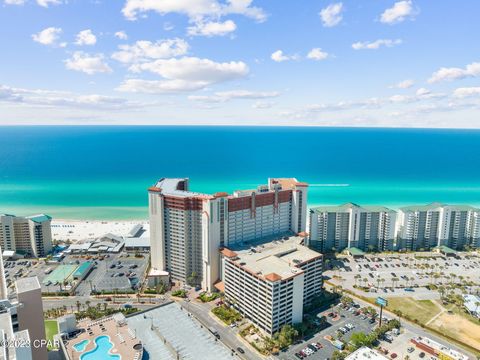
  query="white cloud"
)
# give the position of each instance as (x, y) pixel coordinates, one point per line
(471, 70)
(405, 84)
(465, 92)
(400, 11)
(224, 96)
(47, 3)
(374, 45)
(122, 35)
(263, 105)
(146, 50)
(212, 28)
(184, 74)
(48, 36)
(89, 64)
(52, 98)
(332, 15)
(159, 86)
(14, 2)
(194, 9)
(86, 37)
(279, 56)
(317, 54)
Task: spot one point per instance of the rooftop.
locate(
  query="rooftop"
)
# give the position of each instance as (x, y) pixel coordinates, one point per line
(346, 207)
(123, 339)
(27, 284)
(173, 187)
(188, 338)
(39, 218)
(365, 353)
(275, 260)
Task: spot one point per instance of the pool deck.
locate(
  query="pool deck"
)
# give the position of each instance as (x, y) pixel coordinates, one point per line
(122, 337)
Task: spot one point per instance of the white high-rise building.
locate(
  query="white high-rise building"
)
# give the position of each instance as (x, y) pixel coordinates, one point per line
(429, 226)
(3, 281)
(335, 228)
(187, 229)
(270, 283)
(31, 236)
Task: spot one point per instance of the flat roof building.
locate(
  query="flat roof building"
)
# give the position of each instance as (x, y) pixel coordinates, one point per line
(270, 283)
(365, 353)
(188, 228)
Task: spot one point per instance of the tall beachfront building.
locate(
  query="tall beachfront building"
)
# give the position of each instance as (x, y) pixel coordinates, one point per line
(270, 283)
(3, 281)
(187, 229)
(31, 236)
(427, 226)
(335, 228)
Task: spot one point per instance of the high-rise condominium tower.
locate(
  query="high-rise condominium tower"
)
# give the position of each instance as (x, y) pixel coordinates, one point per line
(335, 228)
(30, 235)
(187, 229)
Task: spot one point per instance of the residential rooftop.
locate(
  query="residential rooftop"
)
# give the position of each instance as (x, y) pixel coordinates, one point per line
(178, 187)
(275, 260)
(346, 207)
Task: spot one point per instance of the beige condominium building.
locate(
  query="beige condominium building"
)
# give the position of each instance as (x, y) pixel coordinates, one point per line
(335, 228)
(270, 283)
(31, 236)
(423, 227)
(188, 228)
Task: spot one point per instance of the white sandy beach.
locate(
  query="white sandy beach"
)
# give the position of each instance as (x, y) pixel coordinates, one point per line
(77, 230)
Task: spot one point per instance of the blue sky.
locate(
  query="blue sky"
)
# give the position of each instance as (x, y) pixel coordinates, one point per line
(408, 63)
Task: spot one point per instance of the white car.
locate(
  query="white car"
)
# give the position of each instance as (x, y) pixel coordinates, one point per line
(308, 351)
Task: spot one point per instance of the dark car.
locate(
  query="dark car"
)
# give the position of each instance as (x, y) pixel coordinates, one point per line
(240, 350)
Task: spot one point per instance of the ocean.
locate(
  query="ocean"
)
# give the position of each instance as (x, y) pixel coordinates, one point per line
(102, 172)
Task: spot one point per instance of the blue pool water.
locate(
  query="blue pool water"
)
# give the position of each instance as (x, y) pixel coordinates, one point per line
(80, 347)
(101, 351)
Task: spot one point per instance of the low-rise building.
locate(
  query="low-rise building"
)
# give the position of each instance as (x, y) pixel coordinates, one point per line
(365, 353)
(270, 283)
(436, 349)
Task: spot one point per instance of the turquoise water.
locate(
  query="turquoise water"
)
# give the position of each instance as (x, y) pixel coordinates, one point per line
(103, 172)
(101, 351)
(80, 347)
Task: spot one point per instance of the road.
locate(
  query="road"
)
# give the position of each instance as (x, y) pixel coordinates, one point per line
(227, 335)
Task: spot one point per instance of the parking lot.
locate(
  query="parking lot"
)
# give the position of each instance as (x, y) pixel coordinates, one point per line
(117, 272)
(343, 319)
(17, 269)
(110, 273)
(400, 274)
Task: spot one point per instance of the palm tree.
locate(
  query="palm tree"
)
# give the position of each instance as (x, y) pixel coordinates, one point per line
(394, 280)
(88, 304)
(79, 304)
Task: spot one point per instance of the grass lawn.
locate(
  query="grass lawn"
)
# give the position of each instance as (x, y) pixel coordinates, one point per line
(421, 310)
(51, 328)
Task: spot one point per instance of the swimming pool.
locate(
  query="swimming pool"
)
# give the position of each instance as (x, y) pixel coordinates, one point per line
(80, 347)
(101, 351)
